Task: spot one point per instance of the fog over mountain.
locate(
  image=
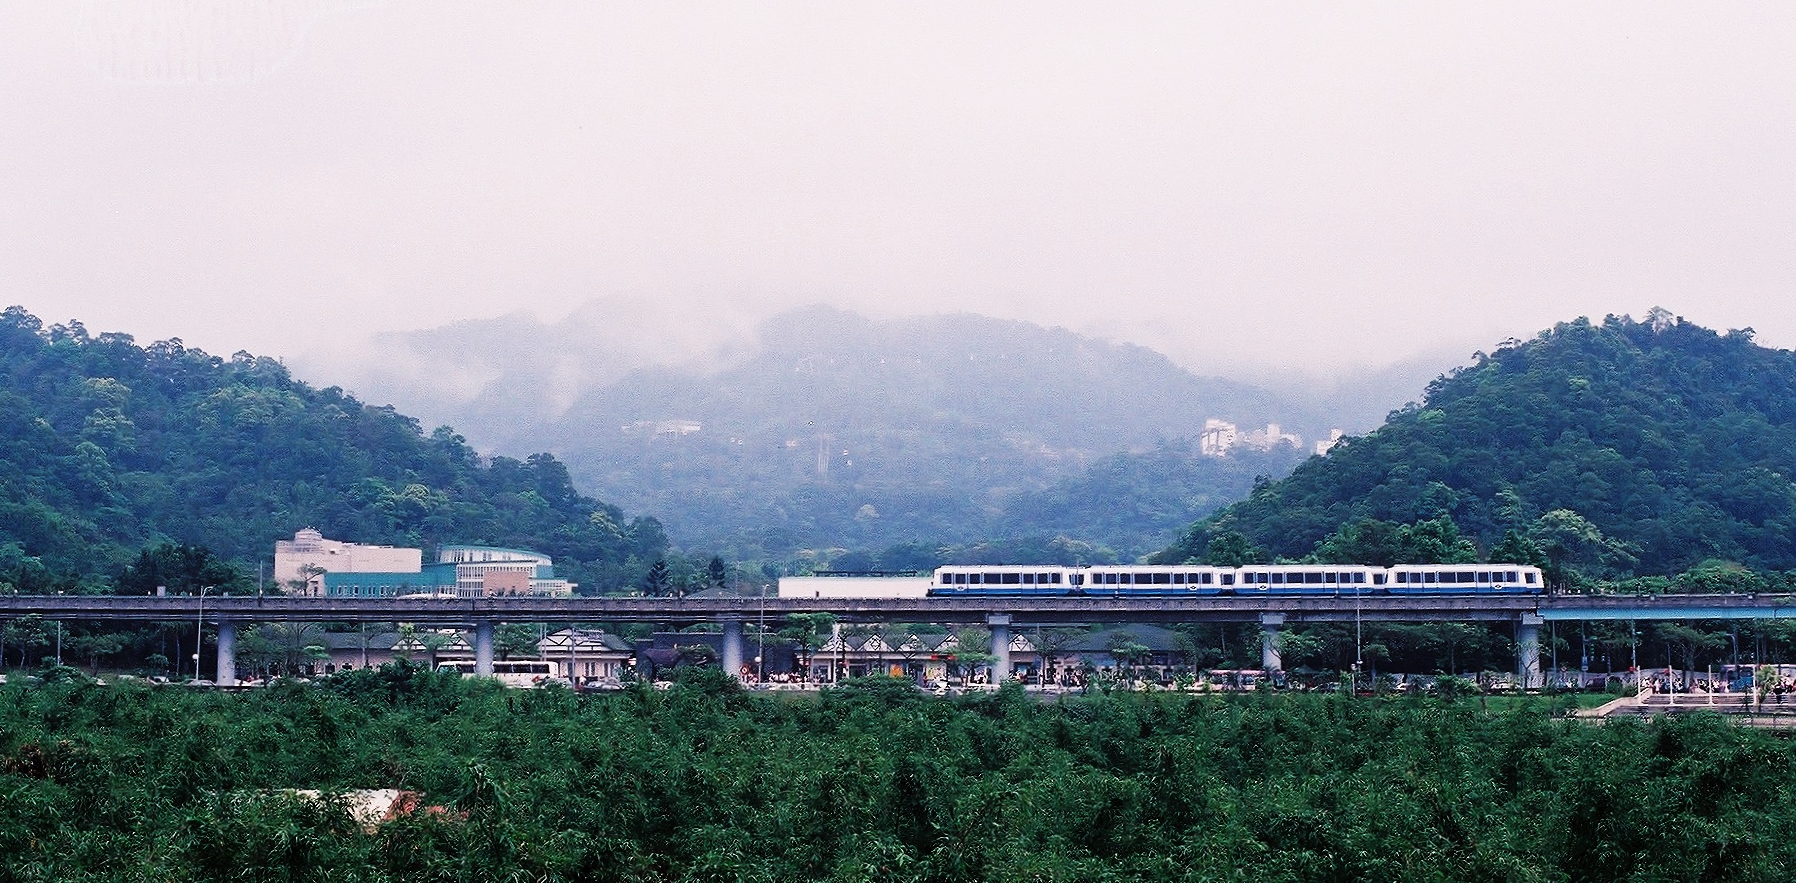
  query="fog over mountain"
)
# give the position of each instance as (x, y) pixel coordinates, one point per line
(499, 381)
(822, 426)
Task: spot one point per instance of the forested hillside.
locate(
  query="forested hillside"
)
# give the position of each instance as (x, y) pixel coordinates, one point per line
(1613, 449)
(108, 448)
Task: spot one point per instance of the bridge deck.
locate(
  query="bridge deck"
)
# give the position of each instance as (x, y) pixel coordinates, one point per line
(1023, 611)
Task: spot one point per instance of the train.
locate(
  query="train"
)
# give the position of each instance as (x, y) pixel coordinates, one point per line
(1172, 580)
(1253, 579)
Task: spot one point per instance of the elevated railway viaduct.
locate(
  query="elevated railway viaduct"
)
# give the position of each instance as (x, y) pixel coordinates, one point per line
(999, 613)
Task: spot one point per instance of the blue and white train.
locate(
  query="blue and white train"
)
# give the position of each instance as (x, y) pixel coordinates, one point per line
(1253, 579)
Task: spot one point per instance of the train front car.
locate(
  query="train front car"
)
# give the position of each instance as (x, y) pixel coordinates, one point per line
(1152, 579)
(1005, 579)
(1465, 579)
(1309, 579)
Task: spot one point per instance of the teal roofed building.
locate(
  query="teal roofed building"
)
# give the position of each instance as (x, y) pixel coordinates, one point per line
(460, 572)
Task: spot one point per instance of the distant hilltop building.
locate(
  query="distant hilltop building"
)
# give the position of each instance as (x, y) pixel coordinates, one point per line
(312, 566)
(674, 428)
(1334, 437)
(1220, 436)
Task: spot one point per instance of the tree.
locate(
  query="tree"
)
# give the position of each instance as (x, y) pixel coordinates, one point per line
(1053, 643)
(183, 570)
(1516, 548)
(1231, 548)
(720, 577)
(27, 632)
(807, 632)
(655, 582)
(1572, 542)
(515, 637)
(1687, 643)
(94, 645)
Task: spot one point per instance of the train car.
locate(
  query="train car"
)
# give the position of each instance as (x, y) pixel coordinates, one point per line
(1309, 579)
(1146, 579)
(1006, 579)
(1464, 579)
(854, 586)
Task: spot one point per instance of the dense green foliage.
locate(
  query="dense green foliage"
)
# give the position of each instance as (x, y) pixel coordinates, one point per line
(108, 449)
(1615, 449)
(870, 782)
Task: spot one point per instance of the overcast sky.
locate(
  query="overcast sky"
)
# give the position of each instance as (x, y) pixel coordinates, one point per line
(1229, 183)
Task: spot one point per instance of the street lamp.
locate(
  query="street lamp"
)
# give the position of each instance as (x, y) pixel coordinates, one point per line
(1359, 659)
(199, 633)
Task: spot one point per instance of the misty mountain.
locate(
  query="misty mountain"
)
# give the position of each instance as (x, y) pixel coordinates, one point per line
(821, 428)
(844, 431)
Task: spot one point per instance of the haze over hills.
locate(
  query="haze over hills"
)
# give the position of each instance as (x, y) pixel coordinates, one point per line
(837, 430)
(1615, 448)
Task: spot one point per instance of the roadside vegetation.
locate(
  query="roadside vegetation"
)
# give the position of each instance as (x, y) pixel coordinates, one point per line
(870, 781)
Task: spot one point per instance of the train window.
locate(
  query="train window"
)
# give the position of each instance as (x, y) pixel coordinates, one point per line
(1403, 578)
(1530, 578)
(1509, 576)
(1378, 579)
(1178, 579)
(1312, 578)
(1483, 576)
(1329, 577)
(1110, 579)
(1465, 576)
(1359, 577)
(960, 579)
(1228, 579)
(1208, 578)
(1278, 579)
(1011, 579)
(1162, 578)
(1077, 579)
(1028, 579)
(1430, 577)
(1055, 578)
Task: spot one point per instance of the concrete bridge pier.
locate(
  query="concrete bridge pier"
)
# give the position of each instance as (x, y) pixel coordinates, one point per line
(1270, 659)
(732, 647)
(483, 648)
(1000, 626)
(1527, 651)
(227, 653)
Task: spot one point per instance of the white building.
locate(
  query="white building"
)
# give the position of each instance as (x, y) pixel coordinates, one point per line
(489, 571)
(300, 563)
(1334, 436)
(1271, 437)
(1218, 437)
